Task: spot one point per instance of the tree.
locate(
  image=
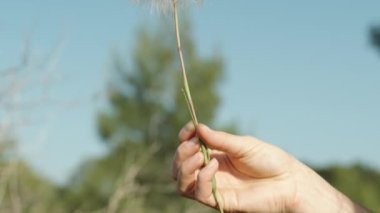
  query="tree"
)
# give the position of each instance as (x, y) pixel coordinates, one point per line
(21, 188)
(360, 183)
(140, 125)
(375, 36)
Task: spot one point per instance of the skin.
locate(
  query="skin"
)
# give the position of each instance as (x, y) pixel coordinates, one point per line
(251, 175)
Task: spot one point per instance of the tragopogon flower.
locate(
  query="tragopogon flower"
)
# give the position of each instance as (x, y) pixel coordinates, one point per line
(164, 6)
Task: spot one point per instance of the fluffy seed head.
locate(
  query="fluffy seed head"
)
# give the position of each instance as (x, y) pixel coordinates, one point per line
(164, 6)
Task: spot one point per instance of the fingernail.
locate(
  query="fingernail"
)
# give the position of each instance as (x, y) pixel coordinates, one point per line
(213, 162)
(207, 128)
(189, 126)
(194, 141)
(199, 156)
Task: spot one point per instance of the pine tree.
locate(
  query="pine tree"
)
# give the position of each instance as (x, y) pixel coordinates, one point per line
(140, 126)
(375, 36)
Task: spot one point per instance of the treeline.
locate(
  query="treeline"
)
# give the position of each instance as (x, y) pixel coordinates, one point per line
(139, 127)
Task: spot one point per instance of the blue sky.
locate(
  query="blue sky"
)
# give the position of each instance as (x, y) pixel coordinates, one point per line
(301, 75)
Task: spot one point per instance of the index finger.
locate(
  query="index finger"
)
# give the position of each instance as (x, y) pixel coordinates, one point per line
(235, 145)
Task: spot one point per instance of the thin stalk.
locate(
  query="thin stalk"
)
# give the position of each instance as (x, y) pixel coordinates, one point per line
(184, 74)
(204, 149)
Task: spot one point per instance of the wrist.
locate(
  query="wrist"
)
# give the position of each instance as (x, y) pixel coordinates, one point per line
(314, 194)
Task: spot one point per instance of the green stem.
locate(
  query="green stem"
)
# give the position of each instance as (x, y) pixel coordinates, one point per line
(183, 68)
(204, 149)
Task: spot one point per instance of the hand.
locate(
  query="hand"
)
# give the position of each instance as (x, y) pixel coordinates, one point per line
(251, 176)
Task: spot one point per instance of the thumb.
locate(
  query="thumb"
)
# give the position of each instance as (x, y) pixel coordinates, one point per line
(234, 145)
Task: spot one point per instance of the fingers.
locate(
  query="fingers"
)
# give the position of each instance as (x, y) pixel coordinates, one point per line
(203, 189)
(187, 174)
(234, 145)
(197, 186)
(184, 151)
(187, 132)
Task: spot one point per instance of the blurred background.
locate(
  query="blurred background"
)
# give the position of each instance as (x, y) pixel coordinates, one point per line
(91, 101)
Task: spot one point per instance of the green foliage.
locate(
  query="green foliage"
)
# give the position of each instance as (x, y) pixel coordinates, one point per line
(147, 108)
(21, 190)
(358, 182)
(375, 36)
(139, 128)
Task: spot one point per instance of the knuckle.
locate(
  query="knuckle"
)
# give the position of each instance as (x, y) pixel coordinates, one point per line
(181, 133)
(252, 141)
(180, 150)
(247, 138)
(185, 190)
(200, 197)
(180, 190)
(189, 127)
(202, 176)
(184, 169)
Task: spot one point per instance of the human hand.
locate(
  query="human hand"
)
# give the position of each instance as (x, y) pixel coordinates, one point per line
(251, 175)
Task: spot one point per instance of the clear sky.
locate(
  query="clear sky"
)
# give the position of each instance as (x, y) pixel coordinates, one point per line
(300, 74)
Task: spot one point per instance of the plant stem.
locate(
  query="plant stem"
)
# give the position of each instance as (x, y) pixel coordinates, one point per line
(184, 74)
(204, 149)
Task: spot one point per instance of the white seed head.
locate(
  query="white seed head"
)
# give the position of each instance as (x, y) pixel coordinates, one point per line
(164, 6)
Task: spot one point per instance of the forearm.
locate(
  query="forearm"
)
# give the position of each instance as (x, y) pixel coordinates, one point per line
(314, 194)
